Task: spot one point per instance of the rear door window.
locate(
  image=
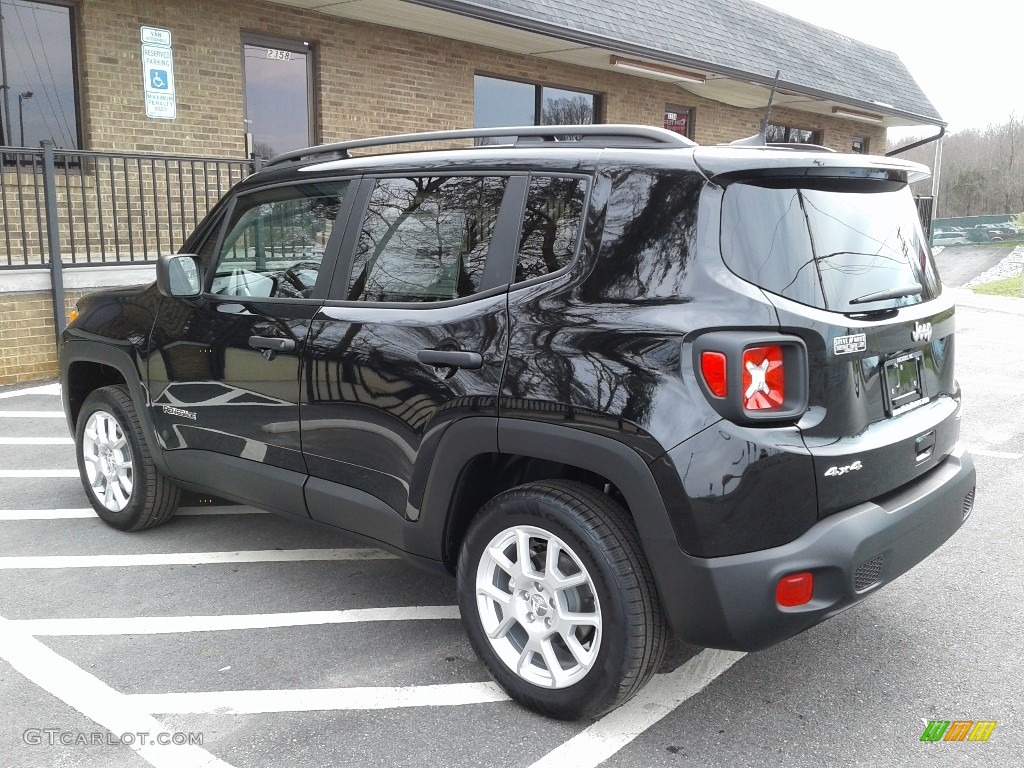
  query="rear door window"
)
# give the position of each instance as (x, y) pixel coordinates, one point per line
(426, 239)
(831, 247)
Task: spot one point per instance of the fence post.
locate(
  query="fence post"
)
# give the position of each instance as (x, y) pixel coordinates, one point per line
(53, 238)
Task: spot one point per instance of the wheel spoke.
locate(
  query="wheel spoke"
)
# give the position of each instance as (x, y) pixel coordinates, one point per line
(579, 619)
(547, 652)
(523, 555)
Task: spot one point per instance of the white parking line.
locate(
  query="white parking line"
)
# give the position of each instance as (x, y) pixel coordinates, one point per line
(45, 389)
(659, 697)
(314, 699)
(36, 441)
(97, 701)
(996, 454)
(191, 558)
(31, 414)
(12, 515)
(38, 473)
(165, 625)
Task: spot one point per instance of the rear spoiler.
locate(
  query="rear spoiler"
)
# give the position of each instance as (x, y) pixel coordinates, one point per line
(720, 163)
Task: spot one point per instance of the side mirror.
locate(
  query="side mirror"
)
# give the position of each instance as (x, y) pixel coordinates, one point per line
(179, 275)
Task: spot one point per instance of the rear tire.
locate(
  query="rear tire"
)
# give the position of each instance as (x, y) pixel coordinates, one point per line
(558, 599)
(123, 484)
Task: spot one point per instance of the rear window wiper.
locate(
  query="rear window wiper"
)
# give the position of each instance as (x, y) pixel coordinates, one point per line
(899, 292)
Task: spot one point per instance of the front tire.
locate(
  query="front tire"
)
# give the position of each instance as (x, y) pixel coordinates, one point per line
(123, 484)
(558, 599)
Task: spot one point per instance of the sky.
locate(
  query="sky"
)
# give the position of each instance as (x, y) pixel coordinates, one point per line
(965, 56)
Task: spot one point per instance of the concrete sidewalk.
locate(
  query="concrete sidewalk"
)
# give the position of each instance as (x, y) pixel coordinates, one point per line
(1007, 304)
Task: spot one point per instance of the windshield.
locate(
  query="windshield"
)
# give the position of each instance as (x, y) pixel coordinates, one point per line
(851, 249)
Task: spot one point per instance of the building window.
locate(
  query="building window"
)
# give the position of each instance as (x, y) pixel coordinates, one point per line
(278, 96)
(859, 146)
(788, 134)
(679, 120)
(38, 94)
(498, 102)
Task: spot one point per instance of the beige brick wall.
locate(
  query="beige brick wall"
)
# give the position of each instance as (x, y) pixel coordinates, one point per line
(369, 80)
(28, 347)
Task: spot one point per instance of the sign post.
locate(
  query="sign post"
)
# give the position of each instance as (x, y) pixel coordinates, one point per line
(158, 73)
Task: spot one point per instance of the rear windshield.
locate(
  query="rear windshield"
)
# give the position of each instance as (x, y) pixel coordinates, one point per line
(846, 249)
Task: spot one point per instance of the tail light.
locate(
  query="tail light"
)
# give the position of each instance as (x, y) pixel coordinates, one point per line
(764, 378)
(751, 377)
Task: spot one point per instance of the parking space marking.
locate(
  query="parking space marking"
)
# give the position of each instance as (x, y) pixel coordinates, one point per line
(317, 699)
(658, 698)
(191, 558)
(97, 701)
(996, 454)
(45, 389)
(14, 515)
(164, 625)
(38, 473)
(31, 414)
(36, 441)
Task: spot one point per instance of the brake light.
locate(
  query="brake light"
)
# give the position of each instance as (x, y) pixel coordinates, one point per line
(764, 380)
(712, 368)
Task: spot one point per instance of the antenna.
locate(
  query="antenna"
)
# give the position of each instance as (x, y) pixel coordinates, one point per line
(768, 109)
(760, 139)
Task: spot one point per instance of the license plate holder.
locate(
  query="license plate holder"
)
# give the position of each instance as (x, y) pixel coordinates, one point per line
(902, 382)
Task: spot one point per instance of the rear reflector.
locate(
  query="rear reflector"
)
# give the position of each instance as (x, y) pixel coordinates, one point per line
(764, 381)
(712, 367)
(795, 589)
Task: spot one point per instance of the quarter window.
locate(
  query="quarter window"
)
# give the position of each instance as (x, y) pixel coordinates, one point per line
(276, 241)
(426, 238)
(551, 226)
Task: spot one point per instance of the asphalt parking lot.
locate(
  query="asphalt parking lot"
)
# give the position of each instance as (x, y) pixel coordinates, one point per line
(259, 641)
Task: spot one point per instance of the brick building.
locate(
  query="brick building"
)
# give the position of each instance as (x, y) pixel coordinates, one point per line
(226, 79)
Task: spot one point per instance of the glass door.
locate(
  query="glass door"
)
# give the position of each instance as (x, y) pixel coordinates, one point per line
(278, 96)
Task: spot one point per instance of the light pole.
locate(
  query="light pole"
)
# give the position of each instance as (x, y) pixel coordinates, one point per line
(21, 113)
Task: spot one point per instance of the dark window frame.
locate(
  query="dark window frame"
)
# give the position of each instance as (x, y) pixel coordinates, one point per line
(538, 95)
(690, 118)
(816, 134)
(295, 46)
(74, 31)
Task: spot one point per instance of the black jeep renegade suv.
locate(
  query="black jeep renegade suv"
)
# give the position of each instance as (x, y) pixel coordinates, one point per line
(619, 384)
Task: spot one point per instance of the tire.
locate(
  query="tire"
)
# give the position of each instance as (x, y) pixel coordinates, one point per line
(570, 637)
(125, 488)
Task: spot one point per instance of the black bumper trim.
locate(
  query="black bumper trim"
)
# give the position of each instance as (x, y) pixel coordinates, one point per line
(729, 602)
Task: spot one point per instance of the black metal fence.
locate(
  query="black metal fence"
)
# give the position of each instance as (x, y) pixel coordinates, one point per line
(107, 208)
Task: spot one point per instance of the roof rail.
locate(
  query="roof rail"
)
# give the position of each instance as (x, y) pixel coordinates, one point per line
(605, 135)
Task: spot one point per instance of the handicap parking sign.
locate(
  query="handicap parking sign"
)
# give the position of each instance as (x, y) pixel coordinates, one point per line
(158, 79)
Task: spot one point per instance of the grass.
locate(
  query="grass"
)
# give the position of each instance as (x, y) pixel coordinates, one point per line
(1010, 286)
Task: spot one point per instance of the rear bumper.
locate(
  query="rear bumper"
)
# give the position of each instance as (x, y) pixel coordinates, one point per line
(729, 602)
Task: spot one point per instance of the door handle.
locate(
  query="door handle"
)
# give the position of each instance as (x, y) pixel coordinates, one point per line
(450, 358)
(271, 345)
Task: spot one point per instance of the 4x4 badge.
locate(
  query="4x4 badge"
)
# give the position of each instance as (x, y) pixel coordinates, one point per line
(922, 332)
